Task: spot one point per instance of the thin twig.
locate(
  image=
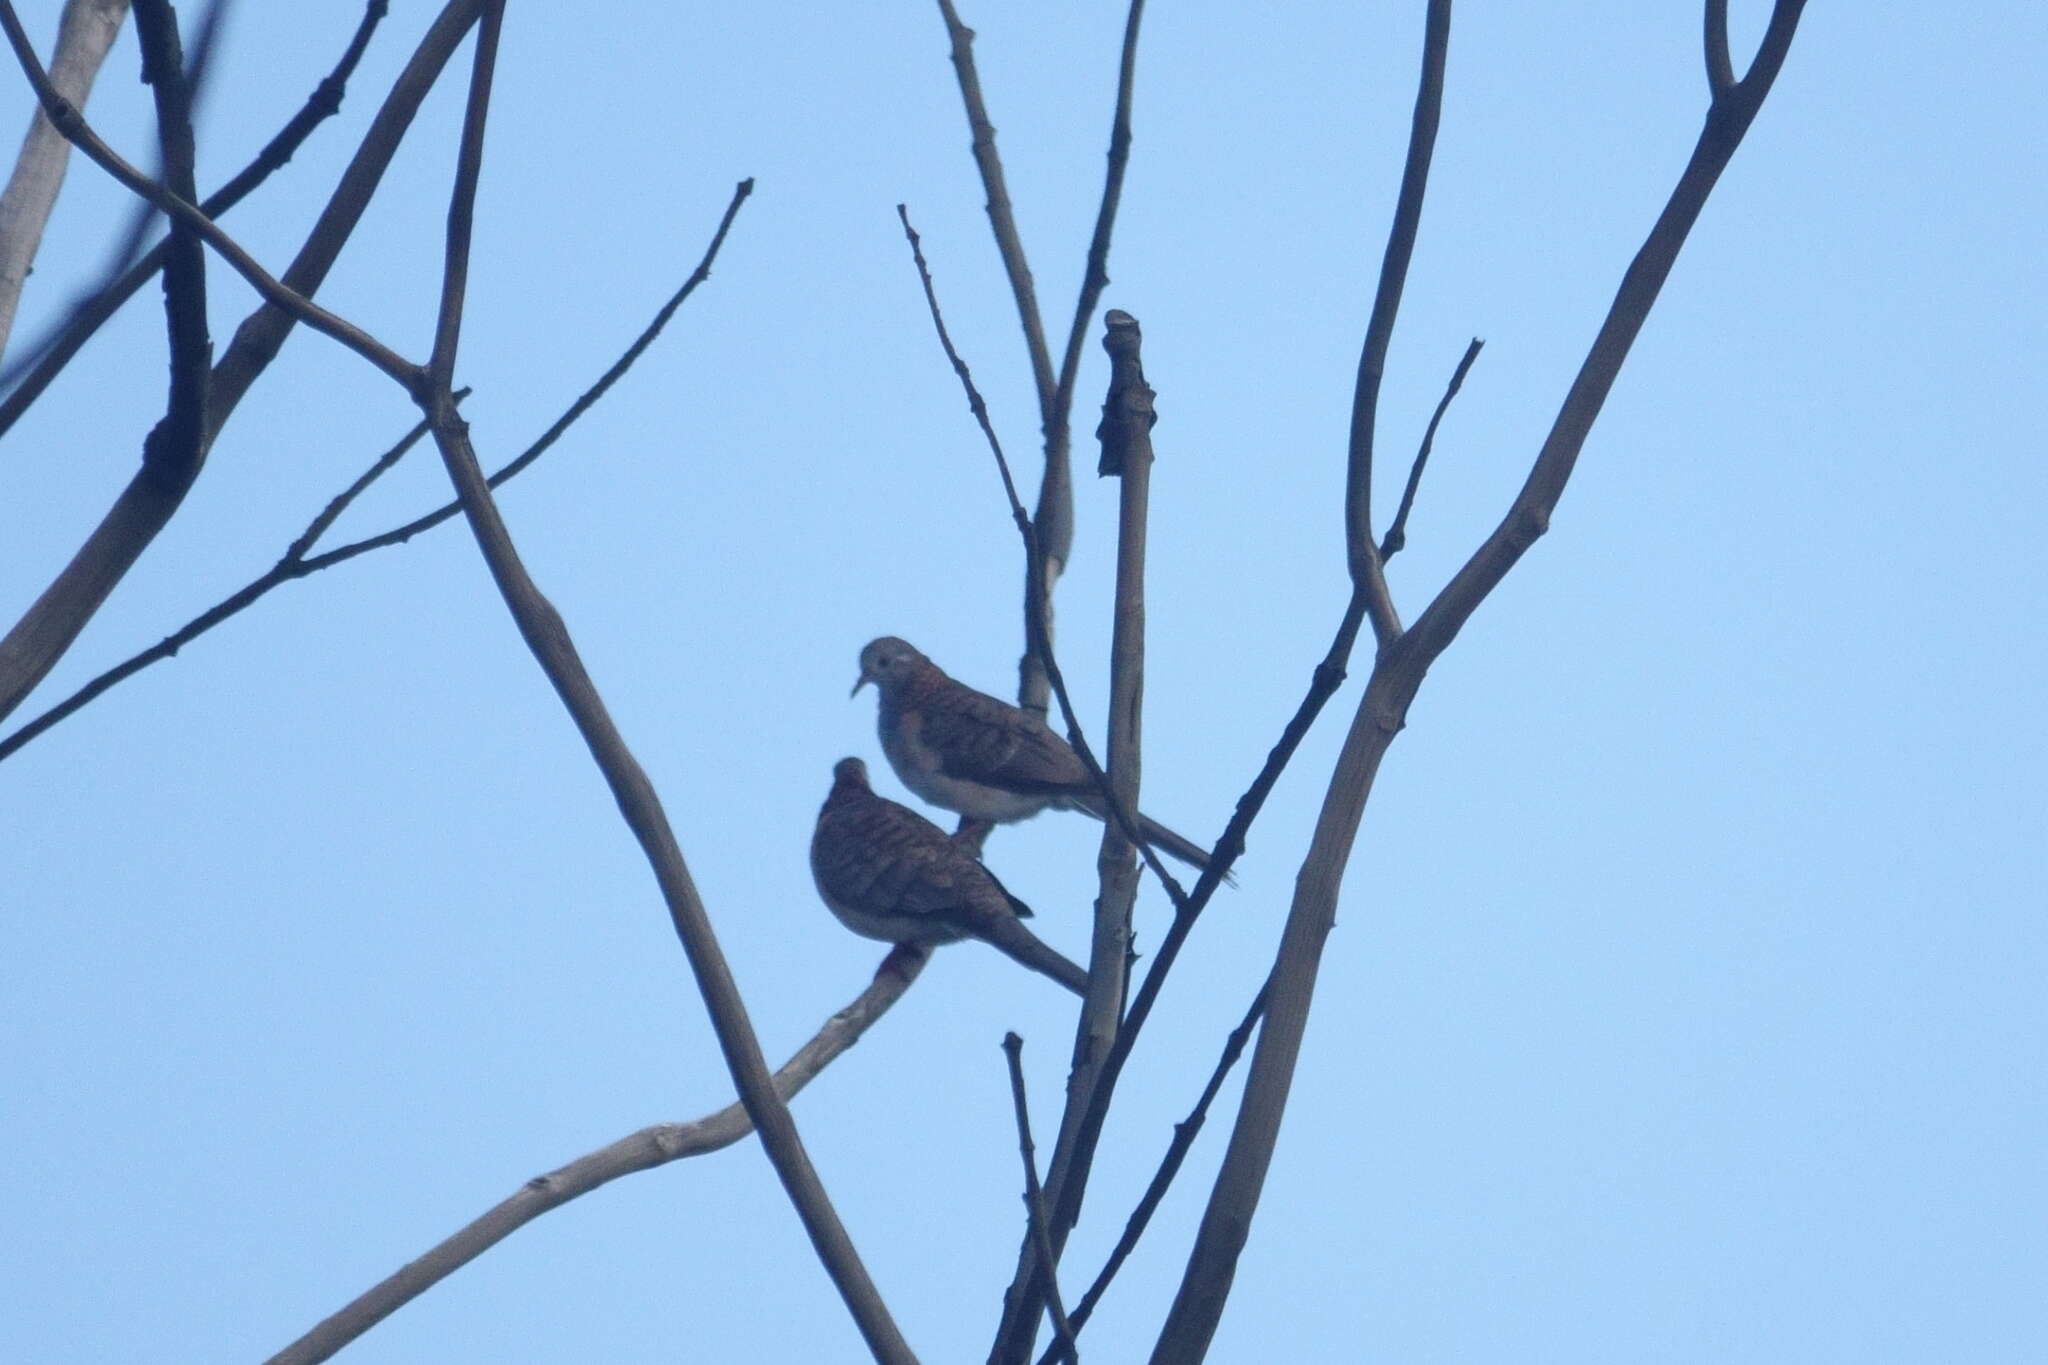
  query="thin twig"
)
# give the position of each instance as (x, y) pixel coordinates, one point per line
(25, 379)
(1036, 617)
(1034, 1207)
(1184, 1134)
(1397, 534)
(642, 1151)
(1004, 222)
(1397, 676)
(297, 562)
(547, 636)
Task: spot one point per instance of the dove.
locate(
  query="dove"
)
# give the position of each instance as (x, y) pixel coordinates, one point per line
(979, 756)
(890, 874)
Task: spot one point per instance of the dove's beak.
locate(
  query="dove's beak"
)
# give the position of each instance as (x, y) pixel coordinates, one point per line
(865, 678)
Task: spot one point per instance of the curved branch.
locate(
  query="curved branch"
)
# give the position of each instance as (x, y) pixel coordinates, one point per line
(1362, 557)
(1720, 70)
(641, 1151)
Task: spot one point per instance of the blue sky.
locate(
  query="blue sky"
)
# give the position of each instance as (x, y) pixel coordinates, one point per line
(1685, 1002)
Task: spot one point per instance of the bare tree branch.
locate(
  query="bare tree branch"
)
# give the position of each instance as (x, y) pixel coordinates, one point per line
(1034, 1206)
(263, 333)
(25, 379)
(1382, 712)
(173, 452)
(1004, 222)
(184, 212)
(85, 32)
(198, 60)
(54, 621)
(1095, 274)
(1368, 577)
(1184, 1134)
(1720, 70)
(1397, 534)
(1054, 523)
(1128, 416)
(1054, 519)
(642, 1151)
(547, 636)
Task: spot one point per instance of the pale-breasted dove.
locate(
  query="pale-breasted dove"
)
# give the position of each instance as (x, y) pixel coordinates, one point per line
(891, 874)
(980, 756)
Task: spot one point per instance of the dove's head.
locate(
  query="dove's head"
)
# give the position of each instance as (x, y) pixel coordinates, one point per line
(849, 772)
(887, 661)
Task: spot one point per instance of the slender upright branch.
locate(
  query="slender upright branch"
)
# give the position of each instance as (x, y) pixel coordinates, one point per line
(1095, 274)
(198, 63)
(1054, 518)
(547, 636)
(173, 452)
(1397, 534)
(1009, 245)
(1397, 675)
(1128, 416)
(24, 380)
(85, 32)
(1034, 1206)
(1053, 526)
(1368, 577)
(642, 1151)
(1720, 69)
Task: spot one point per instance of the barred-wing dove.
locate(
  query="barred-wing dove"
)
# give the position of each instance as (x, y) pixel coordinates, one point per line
(889, 873)
(980, 756)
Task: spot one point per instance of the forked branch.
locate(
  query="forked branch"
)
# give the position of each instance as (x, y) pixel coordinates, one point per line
(1397, 675)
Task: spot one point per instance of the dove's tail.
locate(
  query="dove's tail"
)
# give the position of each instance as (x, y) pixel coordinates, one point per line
(1159, 836)
(1021, 944)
